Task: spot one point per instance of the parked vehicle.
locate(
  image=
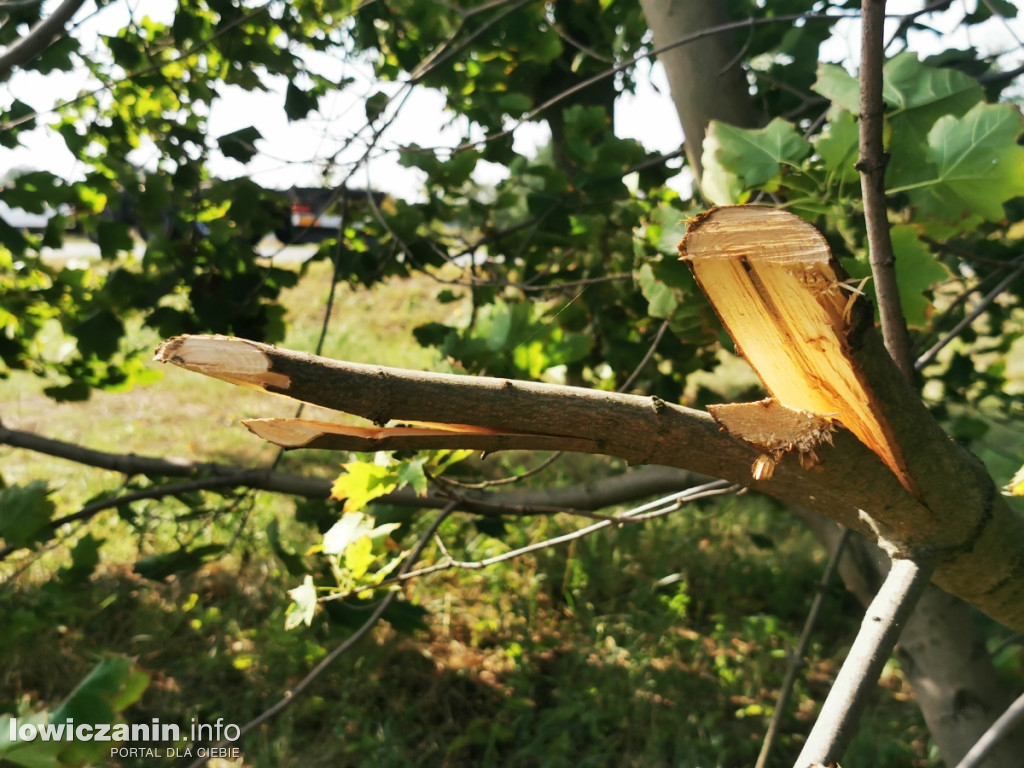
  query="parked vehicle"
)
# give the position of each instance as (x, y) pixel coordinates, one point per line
(316, 212)
(169, 221)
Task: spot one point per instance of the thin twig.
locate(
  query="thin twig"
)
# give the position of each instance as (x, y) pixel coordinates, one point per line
(871, 649)
(981, 306)
(39, 38)
(924, 340)
(160, 492)
(443, 53)
(658, 508)
(796, 656)
(180, 59)
(907, 21)
(1012, 718)
(333, 656)
(872, 164)
(503, 480)
(646, 359)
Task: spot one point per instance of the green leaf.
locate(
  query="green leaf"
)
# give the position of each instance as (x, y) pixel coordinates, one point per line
(661, 299)
(672, 295)
(113, 684)
(411, 473)
(292, 562)
(838, 86)
(838, 146)
(299, 103)
(99, 335)
(114, 237)
(514, 104)
(460, 165)
(25, 512)
(1003, 8)
(922, 94)
(57, 56)
(718, 184)
(17, 110)
(84, 559)
(303, 604)
(758, 156)
(361, 482)
(909, 88)
(31, 754)
(917, 271)
(375, 105)
(160, 566)
(975, 165)
(240, 145)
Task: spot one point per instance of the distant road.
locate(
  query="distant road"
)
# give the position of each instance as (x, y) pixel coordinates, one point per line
(269, 247)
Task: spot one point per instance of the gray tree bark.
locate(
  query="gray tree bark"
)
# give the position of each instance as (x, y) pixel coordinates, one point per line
(705, 77)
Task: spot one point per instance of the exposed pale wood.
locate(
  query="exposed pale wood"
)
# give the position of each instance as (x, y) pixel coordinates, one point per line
(304, 433)
(775, 430)
(771, 278)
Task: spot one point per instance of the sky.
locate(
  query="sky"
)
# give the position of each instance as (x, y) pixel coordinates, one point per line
(291, 153)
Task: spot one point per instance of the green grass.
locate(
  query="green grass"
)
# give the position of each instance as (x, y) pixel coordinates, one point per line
(570, 656)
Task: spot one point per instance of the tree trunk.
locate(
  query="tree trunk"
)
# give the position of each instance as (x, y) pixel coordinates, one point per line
(955, 682)
(705, 77)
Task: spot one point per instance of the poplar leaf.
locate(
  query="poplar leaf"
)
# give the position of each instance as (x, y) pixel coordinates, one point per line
(838, 86)
(718, 184)
(661, 299)
(976, 165)
(359, 557)
(758, 156)
(837, 145)
(361, 483)
(303, 604)
(240, 145)
(917, 271)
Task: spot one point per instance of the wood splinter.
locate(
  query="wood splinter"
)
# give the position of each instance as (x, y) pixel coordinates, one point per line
(775, 430)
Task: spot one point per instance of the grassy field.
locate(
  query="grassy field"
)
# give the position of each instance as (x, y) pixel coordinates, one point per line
(661, 644)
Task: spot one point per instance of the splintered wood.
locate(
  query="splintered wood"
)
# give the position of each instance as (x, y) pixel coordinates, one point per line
(785, 301)
(775, 430)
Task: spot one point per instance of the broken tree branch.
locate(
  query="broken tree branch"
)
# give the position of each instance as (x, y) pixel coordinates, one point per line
(976, 542)
(889, 472)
